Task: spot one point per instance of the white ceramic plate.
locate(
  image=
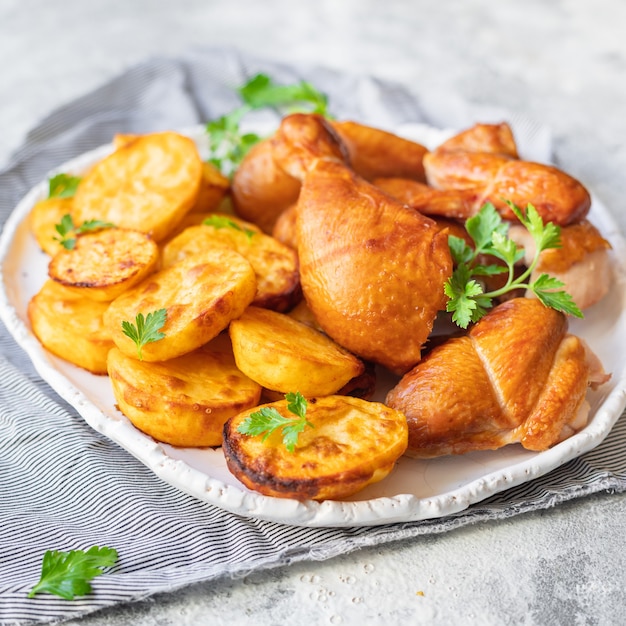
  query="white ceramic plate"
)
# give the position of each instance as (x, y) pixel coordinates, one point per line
(415, 490)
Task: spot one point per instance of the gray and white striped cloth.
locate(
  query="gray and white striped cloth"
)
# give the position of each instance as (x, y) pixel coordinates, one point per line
(65, 486)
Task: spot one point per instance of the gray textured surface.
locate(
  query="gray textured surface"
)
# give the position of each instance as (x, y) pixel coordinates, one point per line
(563, 63)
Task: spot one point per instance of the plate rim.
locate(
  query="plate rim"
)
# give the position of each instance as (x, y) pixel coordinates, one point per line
(376, 511)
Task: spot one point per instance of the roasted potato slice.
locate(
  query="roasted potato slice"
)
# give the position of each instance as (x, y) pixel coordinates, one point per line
(275, 265)
(104, 264)
(201, 294)
(149, 184)
(184, 401)
(361, 386)
(43, 218)
(71, 327)
(352, 444)
(196, 219)
(285, 355)
(213, 189)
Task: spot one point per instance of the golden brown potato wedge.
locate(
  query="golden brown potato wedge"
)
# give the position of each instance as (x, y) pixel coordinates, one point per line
(201, 294)
(184, 401)
(43, 218)
(104, 264)
(71, 327)
(285, 355)
(275, 265)
(148, 184)
(352, 444)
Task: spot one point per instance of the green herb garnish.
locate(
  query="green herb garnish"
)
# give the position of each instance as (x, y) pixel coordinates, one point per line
(221, 221)
(261, 91)
(267, 419)
(68, 231)
(145, 330)
(63, 186)
(468, 301)
(67, 574)
(228, 145)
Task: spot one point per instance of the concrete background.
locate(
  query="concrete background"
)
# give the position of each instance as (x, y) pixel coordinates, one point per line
(560, 62)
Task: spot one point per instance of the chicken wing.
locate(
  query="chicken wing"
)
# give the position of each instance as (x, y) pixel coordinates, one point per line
(374, 152)
(558, 197)
(457, 204)
(489, 138)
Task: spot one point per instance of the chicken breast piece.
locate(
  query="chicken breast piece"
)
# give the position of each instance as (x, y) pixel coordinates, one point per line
(518, 376)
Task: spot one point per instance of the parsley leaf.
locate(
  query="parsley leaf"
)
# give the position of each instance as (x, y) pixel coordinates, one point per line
(63, 186)
(228, 145)
(221, 221)
(481, 227)
(261, 91)
(548, 290)
(67, 574)
(468, 301)
(267, 419)
(145, 330)
(68, 231)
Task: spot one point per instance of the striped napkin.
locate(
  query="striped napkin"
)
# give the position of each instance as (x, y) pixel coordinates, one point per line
(64, 486)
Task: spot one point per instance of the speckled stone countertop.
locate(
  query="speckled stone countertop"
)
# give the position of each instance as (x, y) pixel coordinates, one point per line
(563, 63)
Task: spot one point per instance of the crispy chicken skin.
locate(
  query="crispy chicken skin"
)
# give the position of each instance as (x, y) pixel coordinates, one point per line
(451, 203)
(517, 376)
(481, 165)
(262, 190)
(490, 138)
(372, 270)
(558, 197)
(374, 152)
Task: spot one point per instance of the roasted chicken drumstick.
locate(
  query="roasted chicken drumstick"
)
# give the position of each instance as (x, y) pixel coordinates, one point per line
(372, 269)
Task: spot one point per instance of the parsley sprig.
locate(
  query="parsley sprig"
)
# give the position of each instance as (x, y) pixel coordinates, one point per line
(267, 419)
(228, 144)
(468, 301)
(261, 91)
(145, 329)
(221, 221)
(68, 231)
(67, 574)
(63, 186)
